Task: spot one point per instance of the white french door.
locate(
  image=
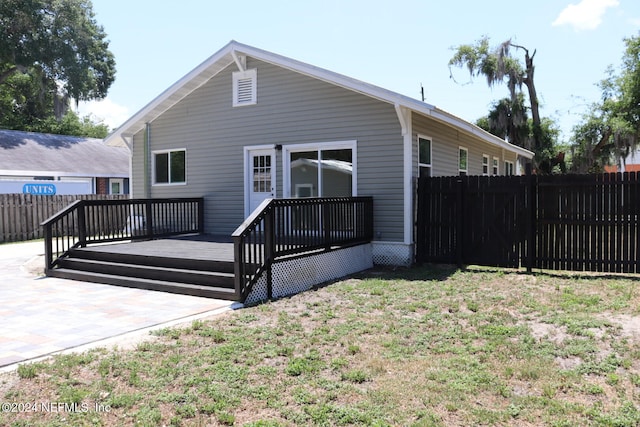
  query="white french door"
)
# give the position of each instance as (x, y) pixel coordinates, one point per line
(261, 185)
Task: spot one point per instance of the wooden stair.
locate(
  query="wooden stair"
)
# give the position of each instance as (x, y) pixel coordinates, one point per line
(197, 277)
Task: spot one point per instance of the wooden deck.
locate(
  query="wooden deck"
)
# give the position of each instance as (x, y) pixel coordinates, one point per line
(203, 247)
(200, 265)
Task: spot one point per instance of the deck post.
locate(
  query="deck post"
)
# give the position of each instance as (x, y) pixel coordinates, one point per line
(82, 225)
(238, 267)
(201, 215)
(48, 247)
(149, 217)
(326, 224)
(269, 247)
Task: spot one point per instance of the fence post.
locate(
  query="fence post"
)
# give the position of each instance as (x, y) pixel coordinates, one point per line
(531, 222)
(460, 183)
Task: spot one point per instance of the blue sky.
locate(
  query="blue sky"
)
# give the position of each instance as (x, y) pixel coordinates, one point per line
(398, 45)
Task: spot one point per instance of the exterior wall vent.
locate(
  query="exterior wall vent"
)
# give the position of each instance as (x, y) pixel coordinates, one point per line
(245, 87)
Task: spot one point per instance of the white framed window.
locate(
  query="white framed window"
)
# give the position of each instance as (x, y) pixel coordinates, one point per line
(424, 155)
(116, 186)
(508, 167)
(170, 167)
(325, 169)
(495, 170)
(463, 160)
(485, 164)
(245, 84)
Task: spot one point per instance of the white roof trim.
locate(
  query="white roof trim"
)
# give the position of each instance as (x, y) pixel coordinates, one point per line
(228, 54)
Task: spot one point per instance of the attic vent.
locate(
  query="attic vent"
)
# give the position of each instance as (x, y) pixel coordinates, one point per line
(244, 87)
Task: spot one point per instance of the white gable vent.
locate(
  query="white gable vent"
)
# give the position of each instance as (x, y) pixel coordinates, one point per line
(244, 87)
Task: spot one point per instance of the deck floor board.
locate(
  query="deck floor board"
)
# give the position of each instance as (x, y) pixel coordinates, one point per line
(200, 247)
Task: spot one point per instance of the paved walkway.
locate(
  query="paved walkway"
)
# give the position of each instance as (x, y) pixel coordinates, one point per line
(41, 316)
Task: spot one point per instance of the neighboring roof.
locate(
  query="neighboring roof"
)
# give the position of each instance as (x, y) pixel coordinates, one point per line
(228, 54)
(335, 165)
(28, 153)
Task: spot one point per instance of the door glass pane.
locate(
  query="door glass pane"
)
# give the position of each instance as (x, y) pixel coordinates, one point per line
(336, 172)
(262, 174)
(304, 174)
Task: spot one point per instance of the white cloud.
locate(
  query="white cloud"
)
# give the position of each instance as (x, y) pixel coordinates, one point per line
(105, 111)
(586, 15)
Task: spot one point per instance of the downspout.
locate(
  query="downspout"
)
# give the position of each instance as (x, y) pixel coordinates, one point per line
(128, 188)
(147, 161)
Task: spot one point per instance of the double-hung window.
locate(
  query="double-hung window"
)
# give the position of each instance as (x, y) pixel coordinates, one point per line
(508, 168)
(169, 167)
(495, 166)
(463, 160)
(424, 156)
(485, 164)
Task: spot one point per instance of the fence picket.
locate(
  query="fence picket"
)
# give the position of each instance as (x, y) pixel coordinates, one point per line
(566, 222)
(22, 214)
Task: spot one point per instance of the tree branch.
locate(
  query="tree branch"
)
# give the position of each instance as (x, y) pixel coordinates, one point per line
(5, 75)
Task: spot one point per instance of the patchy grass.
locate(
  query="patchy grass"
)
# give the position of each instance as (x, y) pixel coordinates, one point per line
(426, 346)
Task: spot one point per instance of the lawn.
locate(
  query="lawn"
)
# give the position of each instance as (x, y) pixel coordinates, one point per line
(428, 346)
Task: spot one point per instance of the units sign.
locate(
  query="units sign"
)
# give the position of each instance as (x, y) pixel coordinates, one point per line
(39, 189)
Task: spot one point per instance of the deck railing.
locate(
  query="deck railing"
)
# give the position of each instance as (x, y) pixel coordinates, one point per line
(285, 228)
(87, 222)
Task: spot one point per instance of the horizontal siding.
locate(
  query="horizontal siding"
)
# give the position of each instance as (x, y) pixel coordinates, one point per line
(445, 145)
(291, 109)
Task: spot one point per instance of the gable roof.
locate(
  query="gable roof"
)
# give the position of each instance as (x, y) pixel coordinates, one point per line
(230, 53)
(41, 154)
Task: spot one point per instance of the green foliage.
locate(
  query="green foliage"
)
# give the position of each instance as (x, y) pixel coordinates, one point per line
(51, 52)
(508, 117)
(611, 129)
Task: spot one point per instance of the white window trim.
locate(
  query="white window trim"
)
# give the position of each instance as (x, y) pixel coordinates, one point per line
(466, 150)
(487, 165)
(251, 74)
(153, 168)
(495, 165)
(508, 163)
(119, 181)
(334, 145)
(425, 165)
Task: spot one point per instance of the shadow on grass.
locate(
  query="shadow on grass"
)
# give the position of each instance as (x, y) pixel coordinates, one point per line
(442, 272)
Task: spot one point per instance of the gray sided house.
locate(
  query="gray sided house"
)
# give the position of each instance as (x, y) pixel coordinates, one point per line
(247, 125)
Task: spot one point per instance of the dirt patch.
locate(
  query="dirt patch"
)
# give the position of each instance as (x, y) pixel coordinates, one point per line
(555, 334)
(630, 325)
(35, 266)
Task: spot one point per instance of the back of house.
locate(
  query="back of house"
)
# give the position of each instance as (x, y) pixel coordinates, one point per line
(247, 125)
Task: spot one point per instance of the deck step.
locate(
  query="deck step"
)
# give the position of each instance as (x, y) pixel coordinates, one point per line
(153, 272)
(155, 261)
(142, 283)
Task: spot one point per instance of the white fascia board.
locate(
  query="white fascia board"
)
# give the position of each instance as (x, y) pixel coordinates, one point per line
(479, 132)
(176, 92)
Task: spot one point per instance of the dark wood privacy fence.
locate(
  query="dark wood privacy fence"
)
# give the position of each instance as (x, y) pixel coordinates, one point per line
(22, 214)
(558, 222)
(282, 228)
(99, 221)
